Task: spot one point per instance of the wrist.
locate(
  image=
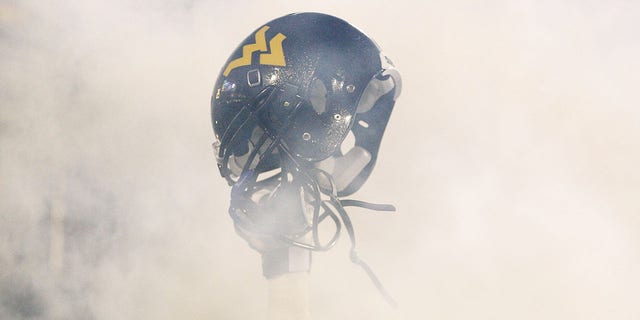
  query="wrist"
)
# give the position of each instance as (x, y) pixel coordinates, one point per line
(285, 260)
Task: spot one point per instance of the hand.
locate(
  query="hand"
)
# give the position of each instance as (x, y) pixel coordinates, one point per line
(270, 219)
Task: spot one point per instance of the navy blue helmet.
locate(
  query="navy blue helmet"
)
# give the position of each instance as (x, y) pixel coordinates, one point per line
(296, 87)
(299, 110)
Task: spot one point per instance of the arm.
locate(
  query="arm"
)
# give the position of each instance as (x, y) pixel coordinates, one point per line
(289, 297)
(286, 269)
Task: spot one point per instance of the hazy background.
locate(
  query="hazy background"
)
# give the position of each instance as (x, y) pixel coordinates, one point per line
(512, 157)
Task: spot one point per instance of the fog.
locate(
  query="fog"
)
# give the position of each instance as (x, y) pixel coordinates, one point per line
(511, 156)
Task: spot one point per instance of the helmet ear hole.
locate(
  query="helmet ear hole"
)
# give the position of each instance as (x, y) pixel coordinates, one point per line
(318, 96)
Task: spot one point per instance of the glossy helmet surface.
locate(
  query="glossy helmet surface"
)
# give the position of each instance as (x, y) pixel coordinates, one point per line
(292, 92)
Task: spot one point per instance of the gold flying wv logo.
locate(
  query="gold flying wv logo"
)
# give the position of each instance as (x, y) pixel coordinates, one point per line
(275, 57)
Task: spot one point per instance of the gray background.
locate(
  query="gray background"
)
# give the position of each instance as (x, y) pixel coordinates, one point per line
(511, 156)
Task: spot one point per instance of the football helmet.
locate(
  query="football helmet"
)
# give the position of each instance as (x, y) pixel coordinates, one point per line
(299, 111)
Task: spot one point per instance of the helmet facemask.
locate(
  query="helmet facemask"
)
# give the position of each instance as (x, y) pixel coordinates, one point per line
(267, 192)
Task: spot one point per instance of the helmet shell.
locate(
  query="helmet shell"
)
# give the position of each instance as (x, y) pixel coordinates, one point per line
(319, 66)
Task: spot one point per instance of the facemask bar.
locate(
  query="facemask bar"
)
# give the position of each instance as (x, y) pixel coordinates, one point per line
(245, 119)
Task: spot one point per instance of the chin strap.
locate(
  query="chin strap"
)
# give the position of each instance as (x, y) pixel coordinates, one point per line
(339, 205)
(330, 207)
(353, 255)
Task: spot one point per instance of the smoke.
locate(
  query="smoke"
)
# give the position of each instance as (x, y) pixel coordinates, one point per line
(511, 156)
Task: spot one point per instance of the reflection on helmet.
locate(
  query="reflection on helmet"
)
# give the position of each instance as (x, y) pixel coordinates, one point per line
(284, 107)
